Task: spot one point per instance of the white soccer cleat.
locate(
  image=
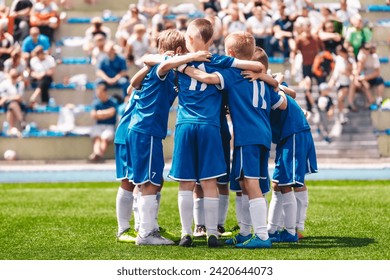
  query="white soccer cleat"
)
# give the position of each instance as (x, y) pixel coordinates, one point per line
(153, 239)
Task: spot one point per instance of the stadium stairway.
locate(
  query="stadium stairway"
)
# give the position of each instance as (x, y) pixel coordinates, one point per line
(364, 136)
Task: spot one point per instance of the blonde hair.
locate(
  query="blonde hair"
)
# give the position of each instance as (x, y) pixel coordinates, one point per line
(204, 27)
(241, 43)
(170, 40)
(261, 56)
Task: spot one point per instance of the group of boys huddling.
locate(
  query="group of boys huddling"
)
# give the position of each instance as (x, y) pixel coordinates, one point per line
(261, 111)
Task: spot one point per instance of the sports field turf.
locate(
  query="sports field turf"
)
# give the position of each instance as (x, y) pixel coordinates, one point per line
(76, 221)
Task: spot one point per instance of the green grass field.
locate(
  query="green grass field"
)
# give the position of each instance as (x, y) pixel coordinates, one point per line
(347, 220)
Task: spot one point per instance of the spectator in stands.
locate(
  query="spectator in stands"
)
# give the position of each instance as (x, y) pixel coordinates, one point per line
(181, 23)
(217, 46)
(357, 34)
(137, 45)
(127, 23)
(98, 53)
(6, 45)
(344, 14)
(309, 46)
(20, 12)
(96, 27)
(160, 21)
(104, 113)
(234, 21)
(112, 70)
(210, 4)
(17, 62)
(283, 32)
(43, 67)
(11, 99)
(326, 109)
(33, 40)
(45, 16)
(323, 66)
(260, 25)
(329, 37)
(370, 79)
(148, 7)
(342, 78)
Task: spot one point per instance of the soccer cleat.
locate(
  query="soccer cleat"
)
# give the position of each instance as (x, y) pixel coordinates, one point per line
(223, 233)
(153, 239)
(128, 236)
(300, 235)
(285, 236)
(254, 243)
(212, 241)
(186, 241)
(164, 233)
(200, 231)
(275, 237)
(238, 239)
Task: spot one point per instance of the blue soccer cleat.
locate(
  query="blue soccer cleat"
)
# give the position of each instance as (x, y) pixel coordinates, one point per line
(284, 236)
(255, 243)
(238, 239)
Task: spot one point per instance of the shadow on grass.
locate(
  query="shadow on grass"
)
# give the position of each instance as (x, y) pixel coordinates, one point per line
(315, 242)
(324, 242)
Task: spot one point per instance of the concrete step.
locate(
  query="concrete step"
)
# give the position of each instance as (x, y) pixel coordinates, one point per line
(384, 145)
(66, 71)
(73, 96)
(380, 119)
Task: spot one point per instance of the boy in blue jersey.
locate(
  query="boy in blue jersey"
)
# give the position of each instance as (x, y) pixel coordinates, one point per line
(125, 196)
(250, 105)
(295, 157)
(147, 129)
(198, 153)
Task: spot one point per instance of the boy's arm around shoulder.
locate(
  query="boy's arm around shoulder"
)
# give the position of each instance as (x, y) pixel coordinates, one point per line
(254, 66)
(199, 75)
(176, 61)
(138, 78)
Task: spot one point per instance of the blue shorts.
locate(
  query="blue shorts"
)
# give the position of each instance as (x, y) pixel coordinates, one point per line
(250, 162)
(226, 137)
(197, 153)
(121, 160)
(295, 157)
(146, 158)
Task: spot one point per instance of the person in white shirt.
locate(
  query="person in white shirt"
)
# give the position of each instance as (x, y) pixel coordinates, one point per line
(137, 45)
(260, 25)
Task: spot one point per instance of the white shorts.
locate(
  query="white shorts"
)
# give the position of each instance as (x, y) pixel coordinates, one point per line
(104, 131)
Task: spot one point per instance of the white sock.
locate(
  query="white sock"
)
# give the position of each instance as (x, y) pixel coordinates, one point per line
(238, 210)
(246, 221)
(147, 210)
(211, 215)
(186, 205)
(290, 212)
(124, 208)
(158, 199)
(136, 210)
(302, 204)
(223, 209)
(275, 211)
(258, 211)
(199, 211)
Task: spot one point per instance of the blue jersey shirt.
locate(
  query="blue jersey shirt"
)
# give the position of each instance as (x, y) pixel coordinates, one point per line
(250, 104)
(287, 122)
(123, 125)
(99, 105)
(151, 111)
(198, 102)
(112, 67)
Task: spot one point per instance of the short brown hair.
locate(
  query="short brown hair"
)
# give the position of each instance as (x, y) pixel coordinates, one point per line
(170, 40)
(206, 30)
(261, 56)
(242, 44)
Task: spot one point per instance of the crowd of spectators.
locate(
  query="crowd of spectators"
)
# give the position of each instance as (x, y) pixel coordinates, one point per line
(322, 45)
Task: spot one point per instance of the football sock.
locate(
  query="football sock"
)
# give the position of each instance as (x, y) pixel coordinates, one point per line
(211, 215)
(223, 209)
(147, 209)
(290, 211)
(136, 209)
(238, 210)
(158, 199)
(302, 204)
(186, 205)
(124, 208)
(275, 211)
(199, 211)
(246, 222)
(258, 212)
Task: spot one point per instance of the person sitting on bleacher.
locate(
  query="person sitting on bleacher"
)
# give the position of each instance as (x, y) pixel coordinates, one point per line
(45, 16)
(33, 40)
(96, 27)
(6, 45)
(11, 99)
(104, 113)
(43, 67)
(20, 12)
(138, 45)
(17, 62)
(112, 70)
(98, 53)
